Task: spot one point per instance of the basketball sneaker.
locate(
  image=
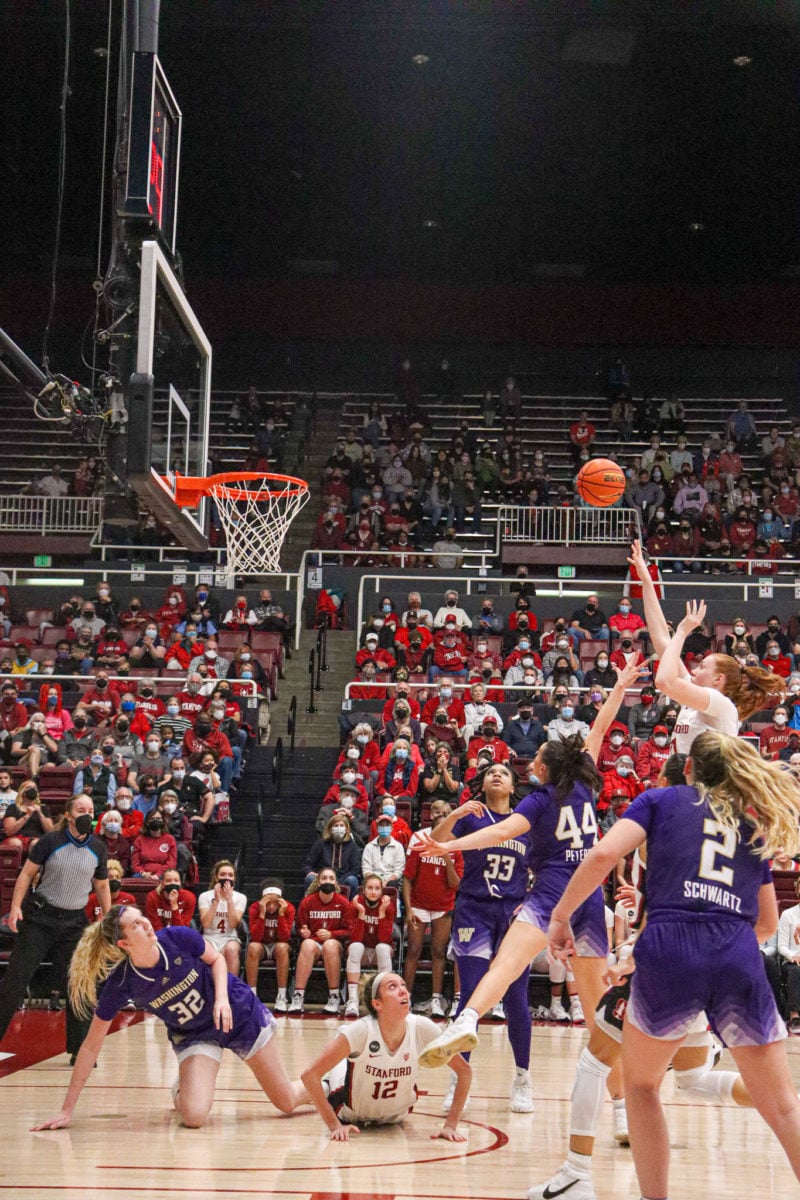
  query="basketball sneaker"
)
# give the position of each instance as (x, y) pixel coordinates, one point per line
(459, 1036)
(438, 1006)
(576, 1011)
(447, 1103)
(557, 1012)
(565, 1183)
(351, 1008)
(332, 1003)
(281, 1002)
(498, 1013)
(454, 1003)
(521, 1094)
(621, 1123)
(296, 1005)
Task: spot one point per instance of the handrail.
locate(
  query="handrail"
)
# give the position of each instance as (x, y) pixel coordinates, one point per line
(39, 677)
(291, 723)
(24, 512)
(318, 656)
(552, 525)
(311, 707)
(277, 767)
(322, 642)
(201, 573)
(464, 685)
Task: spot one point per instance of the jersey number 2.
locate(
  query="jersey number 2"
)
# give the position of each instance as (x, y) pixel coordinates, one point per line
(712, 849)
(567, 827)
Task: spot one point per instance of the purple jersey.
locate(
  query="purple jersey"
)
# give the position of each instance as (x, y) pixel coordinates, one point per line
(694, 863)
(562, 831)
(498, 871)
(179, 990)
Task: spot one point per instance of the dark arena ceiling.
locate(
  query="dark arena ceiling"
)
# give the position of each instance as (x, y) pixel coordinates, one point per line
(567, 138)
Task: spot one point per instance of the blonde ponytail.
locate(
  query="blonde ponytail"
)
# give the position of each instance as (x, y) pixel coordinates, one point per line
(740, 786)
(95, 957)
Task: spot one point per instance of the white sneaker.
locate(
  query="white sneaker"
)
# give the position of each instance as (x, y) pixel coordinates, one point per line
(281, 1003)
(437, 1006)
(454, 1003)
(351, 1008)
(521, 1094)
(423, 1009)
(332, 1003)
(621, 1125)
(296, 1005)
(447, 1103)
(498, 1013)
(457, 1038)
(566, 1183)
(557, 1012)
(576, 1012)
(540, 1013)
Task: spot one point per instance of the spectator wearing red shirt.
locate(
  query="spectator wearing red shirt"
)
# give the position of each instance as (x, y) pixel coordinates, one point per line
(481, 654)
(627, 652)
(652, 755)
(774, 737)
(270, 918)
(13, 716)
(765, 558)
(402, 691)
(582, 435)
(399, 774)
(201, 737)
(614, 745)
(132, 818)
(367, 755)
(190, 700)
(338, 789)
(372, 689)
(94, 910)
(625, 621)
(429, 896)
(170, 905)
(154, 850)
(374, 913)
(620, 780)
(135, 616)
(742, 532)
(487, 739)
(383, 660)
(404, 633)
(110, 831)
(444, 698)
(148, 702)
(324, 920)
(102, 699)
(779, 663)
(685, 548)
(401, 830)
(112, 650)
(449, 657)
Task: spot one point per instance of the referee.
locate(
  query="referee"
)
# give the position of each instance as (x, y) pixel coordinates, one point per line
(49, 921)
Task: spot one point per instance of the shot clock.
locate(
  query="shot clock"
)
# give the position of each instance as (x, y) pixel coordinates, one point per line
(154, 149)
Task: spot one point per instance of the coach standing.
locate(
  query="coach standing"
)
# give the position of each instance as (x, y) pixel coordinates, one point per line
(50, 920)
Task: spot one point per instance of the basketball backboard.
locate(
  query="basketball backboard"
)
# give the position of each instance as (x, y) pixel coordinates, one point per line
(169, 400)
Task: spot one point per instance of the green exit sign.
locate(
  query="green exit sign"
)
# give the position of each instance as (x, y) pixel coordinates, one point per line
(566, 572)
(43, 560)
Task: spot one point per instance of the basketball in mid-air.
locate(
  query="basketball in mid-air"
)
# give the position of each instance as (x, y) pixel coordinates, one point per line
(600, 482)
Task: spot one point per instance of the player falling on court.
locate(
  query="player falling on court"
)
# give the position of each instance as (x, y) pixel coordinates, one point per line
(559, 815)
(717, 693)
(710, 902)
(368, 1074)
(492, 888)
(183, 980)
(692, 1065)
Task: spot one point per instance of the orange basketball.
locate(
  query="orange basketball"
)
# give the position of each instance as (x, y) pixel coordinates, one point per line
(600, 482)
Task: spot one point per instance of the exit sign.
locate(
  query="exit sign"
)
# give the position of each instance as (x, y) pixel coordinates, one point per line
(566, 572)
(43, 560)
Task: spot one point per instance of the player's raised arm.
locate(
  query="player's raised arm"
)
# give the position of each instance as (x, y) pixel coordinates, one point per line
(654, 617)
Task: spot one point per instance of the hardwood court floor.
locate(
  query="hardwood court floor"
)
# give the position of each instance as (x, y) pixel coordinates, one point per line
(125, 1142)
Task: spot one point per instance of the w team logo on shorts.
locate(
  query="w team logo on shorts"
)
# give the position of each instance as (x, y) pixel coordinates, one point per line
(465, 933)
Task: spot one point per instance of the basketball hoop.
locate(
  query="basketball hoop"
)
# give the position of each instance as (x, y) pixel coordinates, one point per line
(255, 510)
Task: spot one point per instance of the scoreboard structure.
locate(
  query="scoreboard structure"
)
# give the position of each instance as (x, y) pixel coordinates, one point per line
(154, 149)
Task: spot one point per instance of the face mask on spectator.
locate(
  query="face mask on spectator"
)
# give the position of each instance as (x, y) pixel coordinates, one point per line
(113, 828)
(401, 754)
(623, 771)
(660, 739)
(617, 739)
(445, 692)
(624, 609)
(123, 803)
(524, 644)
(97, 760)
(384, 830)
(567, 712)
(779, 718)
(388, 810)
(170, 807)
(338, 832)
(173, 709)
(153, 745)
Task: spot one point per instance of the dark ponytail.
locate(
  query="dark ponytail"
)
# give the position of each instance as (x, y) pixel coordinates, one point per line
(567, 764)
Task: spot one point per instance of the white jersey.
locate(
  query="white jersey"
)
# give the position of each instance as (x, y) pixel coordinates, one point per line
(721, 715)
(374, 1084)
(220, 926)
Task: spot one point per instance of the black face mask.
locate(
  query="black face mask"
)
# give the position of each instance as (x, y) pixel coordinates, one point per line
(155, 826)
(114, 886)
(101, 684)
(83, 824)
(203, 729)
(122, 726)
(79, 722)
(168, 888)
(327, 889)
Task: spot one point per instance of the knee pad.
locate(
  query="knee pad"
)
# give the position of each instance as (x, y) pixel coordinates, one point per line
(558, 971)
(354, 955)
(588, 1095)
(703, 1083)
(383, 954)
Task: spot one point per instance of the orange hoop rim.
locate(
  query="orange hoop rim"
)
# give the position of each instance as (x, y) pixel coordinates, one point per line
(190, 488)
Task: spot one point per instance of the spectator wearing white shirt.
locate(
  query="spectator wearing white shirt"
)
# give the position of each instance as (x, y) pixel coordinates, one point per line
(450, 608)
(680, 456)
(424, 615)
(54, 484)
(384, 856)
(566, 724)
(477, 710)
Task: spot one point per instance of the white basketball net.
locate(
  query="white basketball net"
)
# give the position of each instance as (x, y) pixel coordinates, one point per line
(256, 515)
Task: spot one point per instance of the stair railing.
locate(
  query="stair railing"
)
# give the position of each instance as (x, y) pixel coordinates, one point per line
(311, 707)
(291, 725)
(322, 642)
(319, 651)
(277, 768)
